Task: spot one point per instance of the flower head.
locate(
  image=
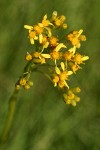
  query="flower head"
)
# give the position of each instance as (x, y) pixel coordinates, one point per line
(59, 55)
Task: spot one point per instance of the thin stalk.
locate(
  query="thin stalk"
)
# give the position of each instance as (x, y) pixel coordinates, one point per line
(29, 68)
(10, 116)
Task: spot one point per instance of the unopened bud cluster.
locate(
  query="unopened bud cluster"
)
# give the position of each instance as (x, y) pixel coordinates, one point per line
(62, 58)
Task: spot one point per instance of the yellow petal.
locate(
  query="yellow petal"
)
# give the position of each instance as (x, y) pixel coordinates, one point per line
(72, 50)
(69, 73)
(62, 66)
(28, 27)
(57, 70)
(40, 38)
(73, 103)
(66, 84)
(45, 55)
(51, 24)
(59, 46)
(45, 45)
(85, 58)
(49, 31)
(45, 17)
(80, 32)
(35, 38)
(54, 13)
(55, 84)
(40, 24)
(32, 40)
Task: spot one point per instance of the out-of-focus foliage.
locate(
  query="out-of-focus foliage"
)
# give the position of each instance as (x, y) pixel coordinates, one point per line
(42, 120)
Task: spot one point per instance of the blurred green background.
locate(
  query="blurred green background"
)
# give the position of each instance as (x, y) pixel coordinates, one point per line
(42, 120)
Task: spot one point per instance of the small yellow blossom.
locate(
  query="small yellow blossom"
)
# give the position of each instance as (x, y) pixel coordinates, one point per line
(75, 37)
(43, 40)
(17, 87)
(43, 60)
(27, 87)
(28, 57)
(55, 80)
(64, 26)
(22, 81)
(38, 29)
(82, 38)
(71, 98)
(76, 90)
(61, 84)
(63, 76)
(68, 55)
(55, 55)
(32, 36)
(58, 21)
(54, 16)
(53, 41)
(78, 58)
(74, 67)
(36, 54)
(30, 83)
(62, 18)
(45, 22)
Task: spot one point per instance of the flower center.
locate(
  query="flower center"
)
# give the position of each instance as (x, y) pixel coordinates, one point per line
(55, 55)
(32, 34)
(63, 76)
(38, 29)
(45, 23)
(53, 41)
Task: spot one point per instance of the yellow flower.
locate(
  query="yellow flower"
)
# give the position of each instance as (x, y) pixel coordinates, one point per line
(28, 57)
(54, 16)
(35, 54)
(78, 58)
(74, 67)
(38, 29)
(50, 48)
(62, 75)
(27, 86)
(32, 36)
(45, 22)
(68, 55)
(64, 26)
(17, 87)
(76, 90)
(71, 98)
(58, 21)
(22, 81)
(43, 40)
(75, 37)
(55, 55)
(55, 80)
(53, 41)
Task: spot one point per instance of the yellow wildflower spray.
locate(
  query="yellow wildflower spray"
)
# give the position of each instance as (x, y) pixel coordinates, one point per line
(60, 59)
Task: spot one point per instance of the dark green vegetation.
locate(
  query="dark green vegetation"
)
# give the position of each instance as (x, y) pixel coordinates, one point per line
(42, 120)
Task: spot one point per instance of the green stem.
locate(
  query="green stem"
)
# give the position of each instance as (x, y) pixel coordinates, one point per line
(10, 115)
(29, 68)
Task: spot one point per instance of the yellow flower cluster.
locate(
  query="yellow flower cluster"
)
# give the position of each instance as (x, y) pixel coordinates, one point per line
(61, 57)
(24, 83)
